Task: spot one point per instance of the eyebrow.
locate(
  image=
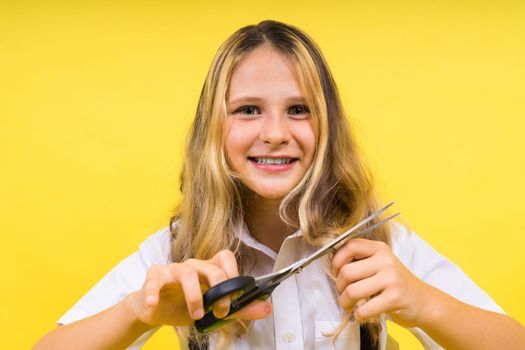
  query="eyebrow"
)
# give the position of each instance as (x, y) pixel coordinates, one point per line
(244, 99)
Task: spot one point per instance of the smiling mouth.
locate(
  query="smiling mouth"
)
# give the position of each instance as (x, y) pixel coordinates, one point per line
(273, 161)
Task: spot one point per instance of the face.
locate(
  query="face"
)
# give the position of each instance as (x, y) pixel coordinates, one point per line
(269, 134)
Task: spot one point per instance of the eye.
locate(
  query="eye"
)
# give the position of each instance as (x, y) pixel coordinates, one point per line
(298, 110)
(248, 110)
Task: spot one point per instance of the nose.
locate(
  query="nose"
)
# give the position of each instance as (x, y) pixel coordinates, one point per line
(275, 129)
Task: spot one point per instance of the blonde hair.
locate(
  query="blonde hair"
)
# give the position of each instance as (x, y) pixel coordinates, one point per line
(335, 193)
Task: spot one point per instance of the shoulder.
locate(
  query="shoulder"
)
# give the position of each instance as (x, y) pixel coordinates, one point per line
(419, 256)
(407, 245)
(414, 252)
(401, 238)
(156, 249)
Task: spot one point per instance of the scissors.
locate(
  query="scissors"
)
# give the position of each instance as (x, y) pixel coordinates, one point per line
(249, 289)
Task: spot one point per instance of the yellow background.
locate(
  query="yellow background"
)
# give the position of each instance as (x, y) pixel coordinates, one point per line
(96, 98)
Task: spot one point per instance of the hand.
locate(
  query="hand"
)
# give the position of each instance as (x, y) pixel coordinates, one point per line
(369, 270)
(172, 294)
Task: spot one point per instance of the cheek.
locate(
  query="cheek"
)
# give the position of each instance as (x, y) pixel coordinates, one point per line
(237, 143)
(306, 138)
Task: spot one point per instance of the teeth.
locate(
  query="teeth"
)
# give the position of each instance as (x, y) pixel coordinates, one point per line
(273, 160)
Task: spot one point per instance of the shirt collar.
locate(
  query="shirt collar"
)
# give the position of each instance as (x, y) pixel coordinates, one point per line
(251, 242)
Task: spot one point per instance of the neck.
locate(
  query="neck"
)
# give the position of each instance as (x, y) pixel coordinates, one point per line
(264, 222)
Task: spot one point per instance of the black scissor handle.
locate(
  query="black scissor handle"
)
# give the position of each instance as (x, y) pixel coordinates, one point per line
(225, 288)
(209, 322)
(260, 292)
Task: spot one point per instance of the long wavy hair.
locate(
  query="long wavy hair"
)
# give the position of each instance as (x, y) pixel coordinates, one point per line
(334, 194)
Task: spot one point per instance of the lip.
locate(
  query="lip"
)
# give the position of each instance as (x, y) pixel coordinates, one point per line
(273, 167)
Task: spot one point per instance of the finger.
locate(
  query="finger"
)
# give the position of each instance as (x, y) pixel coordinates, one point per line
(221, 307)
(213, 275)
(355, 249)
(189, 280)
(356, 271)
(375, 306)
(155, 279)
(225, 259)
(253, 311)
(361, 290)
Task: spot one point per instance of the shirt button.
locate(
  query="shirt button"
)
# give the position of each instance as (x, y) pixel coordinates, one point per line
(288, 337)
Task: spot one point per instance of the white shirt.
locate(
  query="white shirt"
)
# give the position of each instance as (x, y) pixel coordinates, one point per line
(304, 306)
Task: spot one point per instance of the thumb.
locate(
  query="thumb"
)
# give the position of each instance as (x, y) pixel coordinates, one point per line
(253, 311)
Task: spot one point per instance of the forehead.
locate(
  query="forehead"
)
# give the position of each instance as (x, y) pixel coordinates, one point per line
(265, 72)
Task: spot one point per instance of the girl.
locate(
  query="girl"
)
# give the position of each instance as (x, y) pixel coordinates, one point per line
(272, 173)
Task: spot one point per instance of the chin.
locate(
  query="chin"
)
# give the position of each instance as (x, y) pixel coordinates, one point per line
(272, 193)
(273, 196)
(272, 190)
(267, 193)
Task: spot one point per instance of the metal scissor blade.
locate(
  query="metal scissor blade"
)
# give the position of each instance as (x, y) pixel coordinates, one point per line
(273, 275)
(321, 251)
(296, 267)
(283, 273)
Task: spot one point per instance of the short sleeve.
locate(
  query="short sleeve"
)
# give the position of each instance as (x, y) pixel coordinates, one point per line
(433, 268)
(128, 276)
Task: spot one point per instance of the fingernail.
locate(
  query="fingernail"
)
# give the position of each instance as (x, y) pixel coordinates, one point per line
(198, 314)
(150, 299)
(220, 313)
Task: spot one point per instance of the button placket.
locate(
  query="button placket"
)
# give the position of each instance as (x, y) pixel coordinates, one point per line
(285, 299)
(288, 337)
